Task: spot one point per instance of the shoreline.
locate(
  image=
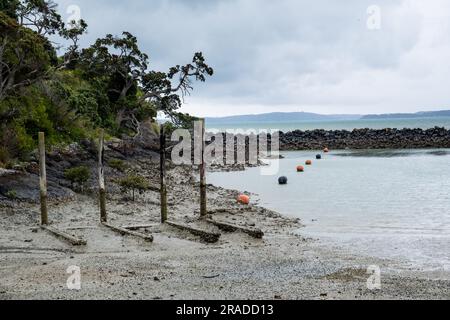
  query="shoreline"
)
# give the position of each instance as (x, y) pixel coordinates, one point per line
(178, 265)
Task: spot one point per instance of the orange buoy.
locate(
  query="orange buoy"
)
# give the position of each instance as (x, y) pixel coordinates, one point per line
(326, 150)
(243, 199)
(300, 169)
(308, 162)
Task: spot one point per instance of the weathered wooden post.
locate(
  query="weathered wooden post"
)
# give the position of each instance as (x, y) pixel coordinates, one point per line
(203, 211)
(163, 188)
(101, 178)
(43, 179)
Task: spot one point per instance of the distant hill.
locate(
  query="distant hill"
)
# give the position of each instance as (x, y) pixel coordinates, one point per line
(282, 117)
(308, 116)
(423, 114)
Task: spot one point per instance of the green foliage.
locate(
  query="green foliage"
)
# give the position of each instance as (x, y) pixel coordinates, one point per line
(9, 7)
(107, 85)
(183, 120)
(11, 194)
(78, 176)
(22, 117)
(25, 56)
(133, 183)
(118, 164)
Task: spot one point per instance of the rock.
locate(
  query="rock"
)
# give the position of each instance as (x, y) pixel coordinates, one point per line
(6, 172)
(366, 139)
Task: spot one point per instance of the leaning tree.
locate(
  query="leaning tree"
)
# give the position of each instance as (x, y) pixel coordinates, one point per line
(123, 67)
(26, 54)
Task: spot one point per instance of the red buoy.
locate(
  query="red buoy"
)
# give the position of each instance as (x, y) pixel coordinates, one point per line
(300, 169)
(308, 162)
(326, 150)
(243, 199)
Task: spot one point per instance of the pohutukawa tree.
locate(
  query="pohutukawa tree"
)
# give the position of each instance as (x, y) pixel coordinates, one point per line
(108, 84)
(72, 34)
(26, 55)
(39, 15)
(120, 62)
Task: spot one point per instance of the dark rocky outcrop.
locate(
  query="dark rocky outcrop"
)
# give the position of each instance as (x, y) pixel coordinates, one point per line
(366, 139)
(22, 183)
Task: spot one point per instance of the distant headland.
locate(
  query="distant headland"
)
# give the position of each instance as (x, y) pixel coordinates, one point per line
(308, 116)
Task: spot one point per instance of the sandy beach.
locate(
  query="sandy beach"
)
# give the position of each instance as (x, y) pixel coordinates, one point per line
(178, 265)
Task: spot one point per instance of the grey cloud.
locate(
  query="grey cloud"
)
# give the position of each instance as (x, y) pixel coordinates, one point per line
(279, 55)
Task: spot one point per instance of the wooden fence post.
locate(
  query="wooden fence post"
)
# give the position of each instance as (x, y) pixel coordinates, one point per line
(43, 179)
(101, 178)
(203, 211)
(163, 188)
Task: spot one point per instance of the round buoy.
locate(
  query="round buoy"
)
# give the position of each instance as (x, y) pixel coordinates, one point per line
(243, 199)
(282, 180)
(300, 169)
(318, 157)
(326, 150)
(308, 162)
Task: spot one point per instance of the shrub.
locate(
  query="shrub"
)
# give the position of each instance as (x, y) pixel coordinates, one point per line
(77, 176)
(134, 183)
(118, 164)
(11, 194)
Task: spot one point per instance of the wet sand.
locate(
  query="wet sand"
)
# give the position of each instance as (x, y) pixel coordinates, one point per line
(178, 265)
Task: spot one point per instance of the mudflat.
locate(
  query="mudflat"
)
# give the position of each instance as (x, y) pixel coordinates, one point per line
(179, 265)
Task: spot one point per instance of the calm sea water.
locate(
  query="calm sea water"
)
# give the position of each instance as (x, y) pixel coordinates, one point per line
(387, 204)
(424, 123)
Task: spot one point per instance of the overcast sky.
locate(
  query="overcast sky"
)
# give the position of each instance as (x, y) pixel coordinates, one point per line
(292, 55)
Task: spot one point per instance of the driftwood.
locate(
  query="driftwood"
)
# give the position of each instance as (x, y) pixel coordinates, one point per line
(207, 236)
(123, 231)
(142, 226)
(5, 172)
(73, 240)
(81, 227)
(228, 227)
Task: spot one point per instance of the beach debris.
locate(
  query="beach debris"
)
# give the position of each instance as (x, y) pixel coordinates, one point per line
(243, 199)
(207, 236)
(212, 276)
(228, 227)
(72, 239)
(300, 169)
(282, 180)
(123, 231)
(326, 150)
